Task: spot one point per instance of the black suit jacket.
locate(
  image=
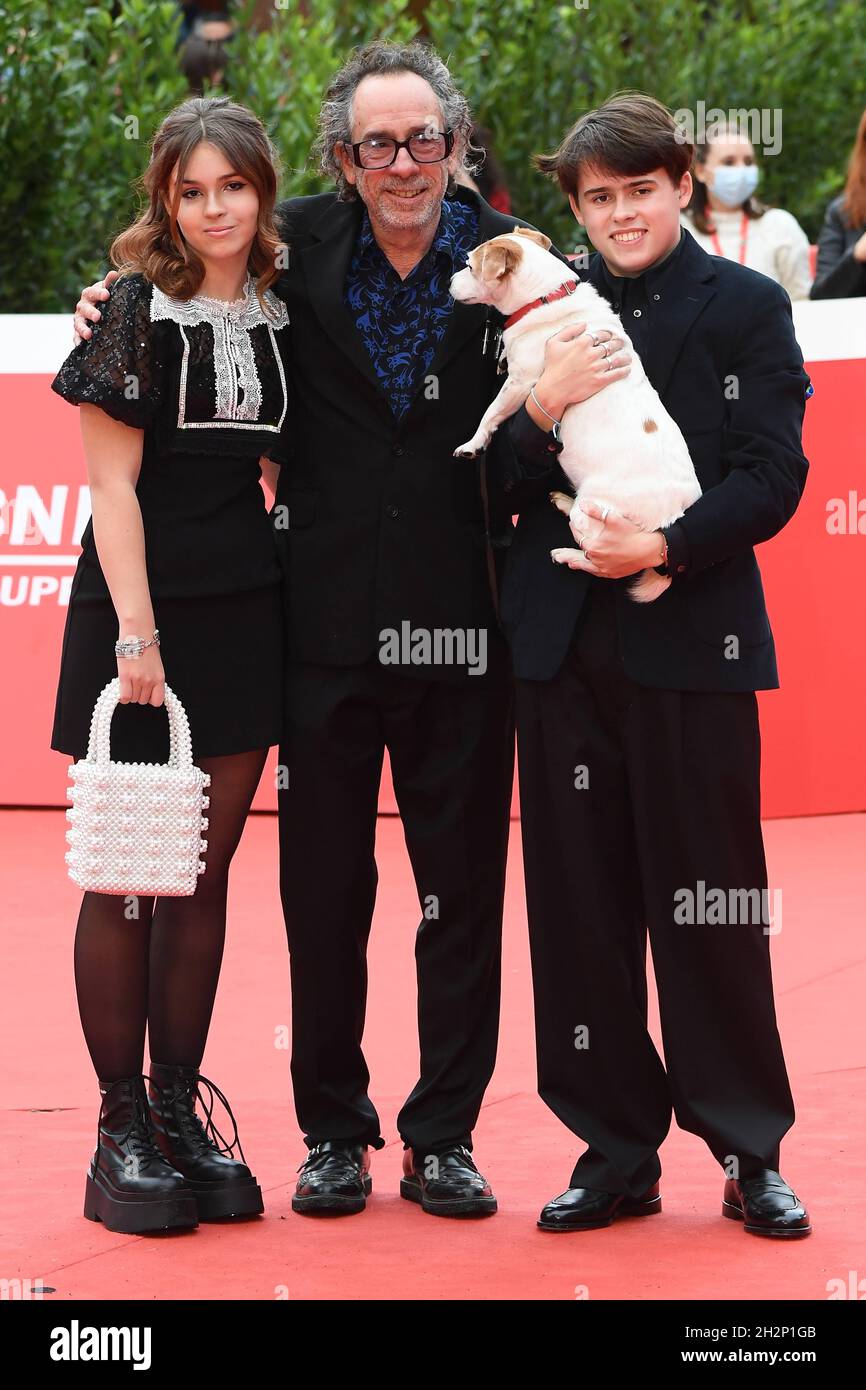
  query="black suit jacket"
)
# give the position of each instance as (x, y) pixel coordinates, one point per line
(718, 325)
(385, 525)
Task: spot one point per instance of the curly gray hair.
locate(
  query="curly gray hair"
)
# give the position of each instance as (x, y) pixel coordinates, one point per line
(380, 58)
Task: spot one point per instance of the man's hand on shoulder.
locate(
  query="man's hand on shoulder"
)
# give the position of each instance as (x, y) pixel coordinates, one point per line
(86, 310)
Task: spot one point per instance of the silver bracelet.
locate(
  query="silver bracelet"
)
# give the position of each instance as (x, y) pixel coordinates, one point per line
(556, 423)
(133, 646)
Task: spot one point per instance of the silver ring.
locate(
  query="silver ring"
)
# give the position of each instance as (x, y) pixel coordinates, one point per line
(595, 340)
(606, 348)
(605, 512)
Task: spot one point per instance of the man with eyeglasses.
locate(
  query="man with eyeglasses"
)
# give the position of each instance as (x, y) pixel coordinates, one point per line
(392, 555)
(389, 533)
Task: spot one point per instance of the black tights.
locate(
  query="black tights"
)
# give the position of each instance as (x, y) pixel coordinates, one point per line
(159, 970)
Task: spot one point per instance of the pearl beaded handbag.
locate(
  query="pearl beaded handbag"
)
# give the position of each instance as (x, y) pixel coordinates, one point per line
(136, 827)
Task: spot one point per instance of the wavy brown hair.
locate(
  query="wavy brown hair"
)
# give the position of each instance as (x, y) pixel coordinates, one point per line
(154, 244)
(854, 197)
(629, 134)
(699, 203)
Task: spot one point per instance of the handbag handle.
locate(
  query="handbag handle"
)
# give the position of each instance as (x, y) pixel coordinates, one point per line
(99, 743)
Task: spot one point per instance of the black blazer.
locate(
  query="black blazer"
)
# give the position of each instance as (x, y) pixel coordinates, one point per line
(837, 274)
(385, 525)
(716, 321)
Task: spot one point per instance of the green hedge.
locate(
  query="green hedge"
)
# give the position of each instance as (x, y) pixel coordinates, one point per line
(81, 92)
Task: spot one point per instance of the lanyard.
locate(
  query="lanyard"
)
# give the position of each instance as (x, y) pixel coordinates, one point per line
(744, 234)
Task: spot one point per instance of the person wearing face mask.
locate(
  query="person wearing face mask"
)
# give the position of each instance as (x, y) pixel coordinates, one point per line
(727, 220)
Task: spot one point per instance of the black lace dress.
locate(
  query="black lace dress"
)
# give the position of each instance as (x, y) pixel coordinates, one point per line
(207, 382)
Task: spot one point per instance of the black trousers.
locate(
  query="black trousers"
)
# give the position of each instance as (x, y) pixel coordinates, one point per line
(452, 757)
(631, 799)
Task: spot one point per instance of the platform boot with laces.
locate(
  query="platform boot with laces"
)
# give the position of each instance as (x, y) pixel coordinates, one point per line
(223, 1185)
(131, 1187)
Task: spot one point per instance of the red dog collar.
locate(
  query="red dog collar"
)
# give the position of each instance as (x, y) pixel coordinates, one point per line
(568, 288)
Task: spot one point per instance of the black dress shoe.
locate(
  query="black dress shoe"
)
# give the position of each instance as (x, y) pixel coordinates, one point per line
(766, 1205)
(588, 1209)
(223, 1185)
(446, 1183)
(131, 1187)
(335, 1177)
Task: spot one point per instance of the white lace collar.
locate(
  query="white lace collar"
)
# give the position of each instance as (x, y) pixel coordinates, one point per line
(238, 384)
(245, 312)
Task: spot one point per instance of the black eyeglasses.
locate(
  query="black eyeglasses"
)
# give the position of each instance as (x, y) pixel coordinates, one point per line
(428, 147)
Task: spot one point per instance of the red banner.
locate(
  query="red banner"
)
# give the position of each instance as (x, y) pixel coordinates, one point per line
(814, 751)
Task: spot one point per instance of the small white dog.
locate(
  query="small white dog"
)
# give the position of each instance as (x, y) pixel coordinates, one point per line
(620, 447)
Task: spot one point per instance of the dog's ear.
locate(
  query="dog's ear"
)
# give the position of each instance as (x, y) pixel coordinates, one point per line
(500, 257)
(538, 237)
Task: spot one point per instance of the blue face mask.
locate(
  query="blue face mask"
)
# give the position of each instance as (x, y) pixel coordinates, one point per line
(734, 183)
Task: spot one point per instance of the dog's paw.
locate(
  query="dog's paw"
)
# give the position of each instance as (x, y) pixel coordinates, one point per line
(472, 448)
(562, 501)
(564, 555)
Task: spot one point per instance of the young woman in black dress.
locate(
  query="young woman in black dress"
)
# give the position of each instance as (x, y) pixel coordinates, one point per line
(183, 392)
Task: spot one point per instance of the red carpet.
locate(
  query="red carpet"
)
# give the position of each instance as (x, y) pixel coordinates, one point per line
(393, 1250)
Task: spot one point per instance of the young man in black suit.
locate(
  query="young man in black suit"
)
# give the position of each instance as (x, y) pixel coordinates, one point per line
(637, 724)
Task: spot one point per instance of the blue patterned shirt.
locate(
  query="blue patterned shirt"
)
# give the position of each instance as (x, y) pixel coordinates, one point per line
(402, 322)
